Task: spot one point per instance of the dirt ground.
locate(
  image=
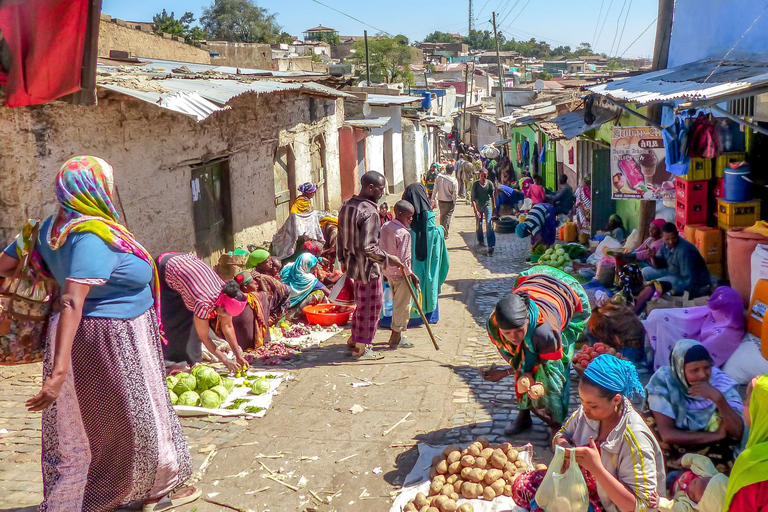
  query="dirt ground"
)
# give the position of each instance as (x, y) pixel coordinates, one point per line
(309, 439)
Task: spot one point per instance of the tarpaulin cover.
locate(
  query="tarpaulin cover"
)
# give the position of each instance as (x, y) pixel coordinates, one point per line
(46, 39)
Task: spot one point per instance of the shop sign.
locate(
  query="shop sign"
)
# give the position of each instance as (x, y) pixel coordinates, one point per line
(638, 168)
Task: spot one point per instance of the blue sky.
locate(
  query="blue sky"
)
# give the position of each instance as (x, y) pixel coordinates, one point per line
(555, 21)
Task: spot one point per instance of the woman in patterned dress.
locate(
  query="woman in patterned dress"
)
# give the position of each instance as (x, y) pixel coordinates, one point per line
(110, 434)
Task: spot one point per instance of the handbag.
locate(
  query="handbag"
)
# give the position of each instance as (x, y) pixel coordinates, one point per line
(25, 307)
(563, 492)
(343, 292)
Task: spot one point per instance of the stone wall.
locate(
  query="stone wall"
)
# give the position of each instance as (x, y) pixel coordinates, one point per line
(243, 55)
(114, 34)
(153, 152)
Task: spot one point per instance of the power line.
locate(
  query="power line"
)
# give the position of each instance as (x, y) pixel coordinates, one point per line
(736, 44)
(482, 9)
(352, 17)
(626, 17)
(638, 37)
(521, 12)
(602, 3)
(618, 22)
(509, 12)
(600, 34)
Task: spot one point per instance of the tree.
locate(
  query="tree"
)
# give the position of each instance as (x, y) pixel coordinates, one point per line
(584, 49)
(389, 58)
(439, 37)
(182, 27)
(240, 21)
(545, 75)
(614, 65)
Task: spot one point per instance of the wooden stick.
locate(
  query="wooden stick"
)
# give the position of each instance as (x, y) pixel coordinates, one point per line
(293, 488)
(230, 507)
(390, 429)
(418, 308)
(346, 458)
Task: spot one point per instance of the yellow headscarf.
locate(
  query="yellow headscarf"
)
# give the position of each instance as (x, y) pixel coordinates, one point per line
(751, 466)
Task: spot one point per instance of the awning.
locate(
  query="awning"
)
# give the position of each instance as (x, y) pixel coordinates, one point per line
(374, 122)
(529, 114)
(572, 124)
(703, 82)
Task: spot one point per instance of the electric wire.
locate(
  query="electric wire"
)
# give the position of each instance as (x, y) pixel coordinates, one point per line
(621, 36)
(638, 37)
(600, 34)
(352, 17)
(618, 23)
(599, 15)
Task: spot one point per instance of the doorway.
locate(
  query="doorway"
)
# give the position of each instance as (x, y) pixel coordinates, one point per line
(212, 210)
(285, 183)
(602, 204)
(361, 158)
(389, 165)
(318, 172)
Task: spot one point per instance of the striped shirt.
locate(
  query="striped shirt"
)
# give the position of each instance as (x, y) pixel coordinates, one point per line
(630, 453)
(536, 218)
(358, 242)
(196, 282)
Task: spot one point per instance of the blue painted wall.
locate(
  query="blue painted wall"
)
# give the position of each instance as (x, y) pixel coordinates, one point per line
(709, 28)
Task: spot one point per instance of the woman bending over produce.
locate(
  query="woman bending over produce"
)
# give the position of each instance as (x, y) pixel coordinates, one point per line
(611, 440)
(535, 328)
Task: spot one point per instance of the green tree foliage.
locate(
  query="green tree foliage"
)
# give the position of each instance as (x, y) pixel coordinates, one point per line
(182, 27)
(439, 37)
(240, 21)
(329, 37)
(544, 75)
(390, 58)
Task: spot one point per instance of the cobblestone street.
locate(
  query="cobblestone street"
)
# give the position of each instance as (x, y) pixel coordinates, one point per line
(349, 461)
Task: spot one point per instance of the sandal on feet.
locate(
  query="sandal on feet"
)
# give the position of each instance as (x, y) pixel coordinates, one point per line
(404, 343)
(352, 345)
(169, 503)
(367, 355)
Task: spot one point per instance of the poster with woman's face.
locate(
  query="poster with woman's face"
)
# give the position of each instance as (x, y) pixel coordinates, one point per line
(638, 169)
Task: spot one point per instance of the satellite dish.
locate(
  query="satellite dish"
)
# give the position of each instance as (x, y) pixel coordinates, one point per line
(538, 85)
(366, 109)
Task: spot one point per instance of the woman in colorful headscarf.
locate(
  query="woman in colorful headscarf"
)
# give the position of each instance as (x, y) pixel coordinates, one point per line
(262, 262)
(302, 282)
(252, 325)
(612, 442)
(303, 203)
(748, 483)
(534, 328)
(695, 407)
(110, 434)
(583, 208)
(653, 244)
(324, 270)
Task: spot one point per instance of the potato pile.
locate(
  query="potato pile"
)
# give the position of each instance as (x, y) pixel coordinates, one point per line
(481, 471)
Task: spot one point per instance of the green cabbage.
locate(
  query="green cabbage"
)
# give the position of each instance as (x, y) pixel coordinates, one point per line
(199, 368)
(188, 398)
(210, 400)
(206, 379)
(174, 397)
(186, 382)
(260, 386)
(171, 381)
(221, 391)
(228, 383)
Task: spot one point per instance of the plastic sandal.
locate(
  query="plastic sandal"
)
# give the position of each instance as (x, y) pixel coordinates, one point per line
(367, 355)
(168, 503)
(404, 343)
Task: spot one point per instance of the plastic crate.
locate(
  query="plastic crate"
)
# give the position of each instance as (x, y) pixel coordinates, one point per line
(725, 160)
(719, 188)
(699, 169)
(691, 191)
(734, 215)
(690, 213)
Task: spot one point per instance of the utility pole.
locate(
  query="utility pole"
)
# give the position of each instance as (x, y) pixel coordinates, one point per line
(464, 113)
(660, 61)
(471, 18)
(501, 77)
(367, 62)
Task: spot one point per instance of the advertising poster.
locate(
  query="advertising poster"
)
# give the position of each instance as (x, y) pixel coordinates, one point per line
(638, 170)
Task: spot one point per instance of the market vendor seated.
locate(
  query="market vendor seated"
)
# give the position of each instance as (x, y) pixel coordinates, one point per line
(680, 265)
(306, 288)
(262, 262)
(695, 407)
(303, 203)
(649, 248)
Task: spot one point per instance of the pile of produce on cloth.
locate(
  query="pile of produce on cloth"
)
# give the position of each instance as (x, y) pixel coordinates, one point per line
(204, 391)
(470, 479)
(587, 353)
(556, 258)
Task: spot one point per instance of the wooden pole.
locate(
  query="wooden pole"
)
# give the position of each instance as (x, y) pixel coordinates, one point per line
(367, 61)
(660, 61)
(87, 93)
(419, 309)
(472, 90)
(501, 77)
(464, 113)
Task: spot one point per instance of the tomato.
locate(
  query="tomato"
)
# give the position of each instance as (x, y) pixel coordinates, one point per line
(601, 348)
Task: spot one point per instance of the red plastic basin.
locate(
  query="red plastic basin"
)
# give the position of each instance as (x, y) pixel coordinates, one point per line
(328, 314)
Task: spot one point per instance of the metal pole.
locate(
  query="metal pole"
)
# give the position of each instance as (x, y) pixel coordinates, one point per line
(367, 62)
(472, 89)
(464, 113)
(501, 77)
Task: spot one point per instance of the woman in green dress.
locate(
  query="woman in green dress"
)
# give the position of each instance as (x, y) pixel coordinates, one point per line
(535, 328)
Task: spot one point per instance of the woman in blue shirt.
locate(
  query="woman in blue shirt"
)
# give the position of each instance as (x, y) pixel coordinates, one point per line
(110, 434)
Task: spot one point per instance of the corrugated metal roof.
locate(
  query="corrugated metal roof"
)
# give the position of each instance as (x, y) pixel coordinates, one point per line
(166, 66)
(572, 124)
(529, 114)
(374, 122)
(707, 79)
(189, 103)
(383, 100)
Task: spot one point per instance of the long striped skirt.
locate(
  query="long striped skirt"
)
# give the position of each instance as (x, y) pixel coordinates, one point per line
(112, 436)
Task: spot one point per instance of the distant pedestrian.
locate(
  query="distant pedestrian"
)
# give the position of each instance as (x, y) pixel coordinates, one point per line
(384, 214)
(459, 173)
(396, 240)
(445, 194)
(537, 193)
(361, 258)
(467, 177)
(482, 203)
(564, 199)
(429, 178)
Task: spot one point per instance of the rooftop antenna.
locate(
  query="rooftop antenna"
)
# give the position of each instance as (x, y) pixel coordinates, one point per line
(471, 17)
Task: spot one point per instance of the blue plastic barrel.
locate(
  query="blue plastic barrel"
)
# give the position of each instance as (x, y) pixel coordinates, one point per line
(738, 186)
(426, 103)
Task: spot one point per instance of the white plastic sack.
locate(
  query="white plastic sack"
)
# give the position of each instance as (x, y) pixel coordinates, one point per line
(563, 492)
(747, 362)
(489, 151)
(633, 241)
(759, 264)
(608, 243)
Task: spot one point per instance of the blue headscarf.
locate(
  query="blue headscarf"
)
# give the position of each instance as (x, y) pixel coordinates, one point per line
(299, 278)
(615, 374)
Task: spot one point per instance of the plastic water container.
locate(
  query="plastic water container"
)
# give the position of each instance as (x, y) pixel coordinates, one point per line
(569, 232)
(738, 186)
(389, 303)
(757, 310)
